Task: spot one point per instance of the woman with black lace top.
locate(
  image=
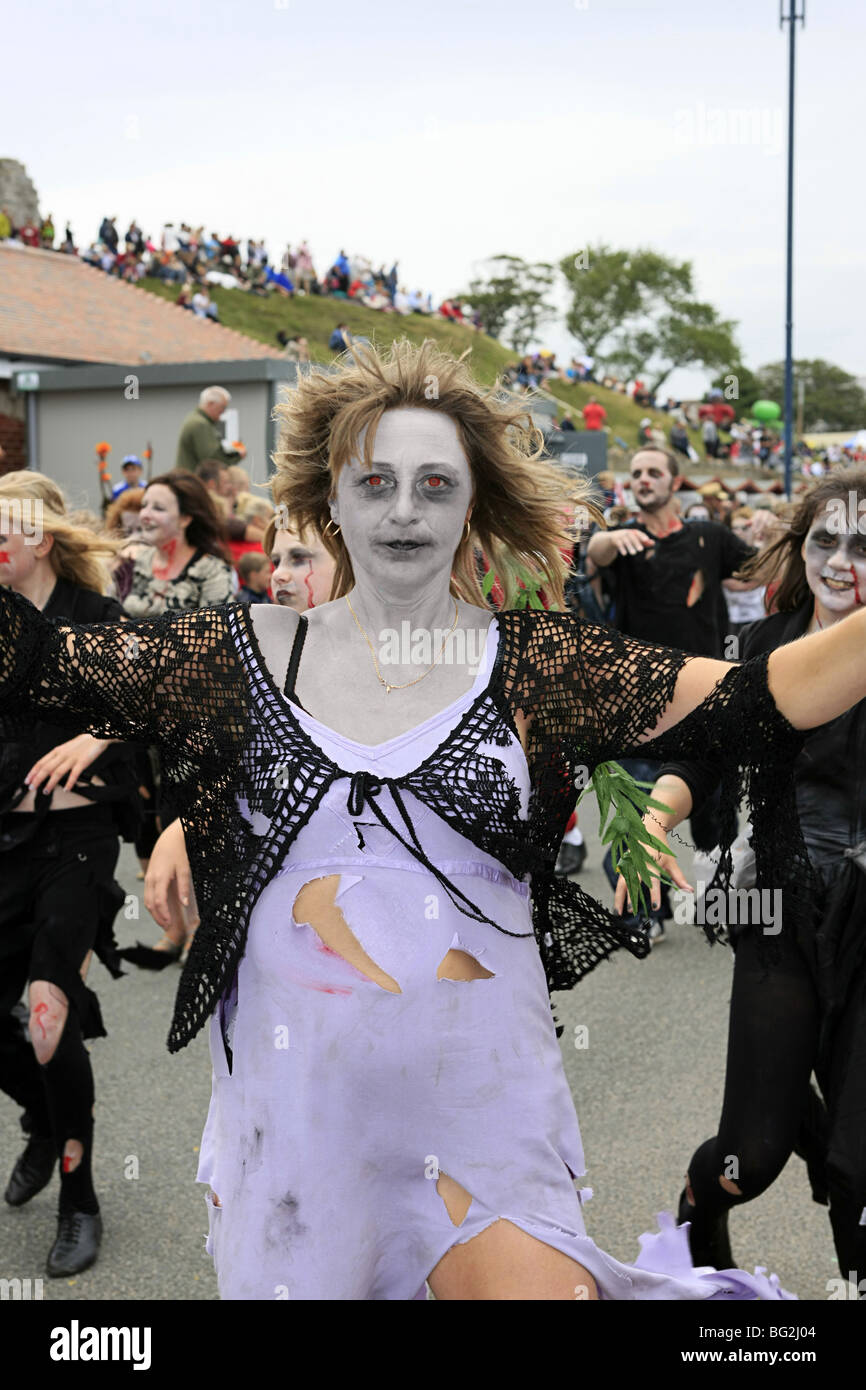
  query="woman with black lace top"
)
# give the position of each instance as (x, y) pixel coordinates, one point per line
(373, 797)
(798, 1002)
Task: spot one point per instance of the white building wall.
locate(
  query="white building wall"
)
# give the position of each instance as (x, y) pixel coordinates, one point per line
(71, 423)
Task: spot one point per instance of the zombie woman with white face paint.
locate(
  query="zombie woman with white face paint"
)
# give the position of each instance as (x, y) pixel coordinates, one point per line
(799, 998)
(373, 843)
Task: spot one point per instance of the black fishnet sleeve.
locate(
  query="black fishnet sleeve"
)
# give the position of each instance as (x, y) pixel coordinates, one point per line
(593, 695)
(591, 686)
(737, 730)
(588, 694)
(739, 734)
(171, 680)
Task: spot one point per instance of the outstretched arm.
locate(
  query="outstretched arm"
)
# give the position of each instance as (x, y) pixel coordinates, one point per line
(173, 680)
(812, 680)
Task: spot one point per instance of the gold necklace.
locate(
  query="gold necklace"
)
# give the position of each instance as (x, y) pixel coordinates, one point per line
(406, 684)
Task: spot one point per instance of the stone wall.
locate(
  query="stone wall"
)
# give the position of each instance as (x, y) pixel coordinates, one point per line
(18, 193)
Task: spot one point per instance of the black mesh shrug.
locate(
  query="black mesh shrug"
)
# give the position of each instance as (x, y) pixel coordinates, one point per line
(194, 684)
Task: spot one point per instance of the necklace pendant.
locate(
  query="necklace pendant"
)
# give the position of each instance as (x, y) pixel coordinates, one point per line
(387, 689)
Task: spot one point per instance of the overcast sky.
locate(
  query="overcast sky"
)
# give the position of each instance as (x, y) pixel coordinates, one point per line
(440, 134)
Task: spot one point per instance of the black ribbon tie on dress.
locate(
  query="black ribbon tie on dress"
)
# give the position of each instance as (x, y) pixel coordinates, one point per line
(363, 790)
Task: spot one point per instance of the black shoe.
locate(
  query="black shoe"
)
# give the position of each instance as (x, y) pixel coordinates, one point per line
(32, 1172)
(147, 958)
(79, 1234)
(709, 1241)
(571, 858)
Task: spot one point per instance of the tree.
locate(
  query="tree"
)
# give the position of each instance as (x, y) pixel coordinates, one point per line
(691, 335)
(604, 294)
(496, 296)
(620, 292)
(532, 309)
(636, 311)
(832, 397)
(512, 298)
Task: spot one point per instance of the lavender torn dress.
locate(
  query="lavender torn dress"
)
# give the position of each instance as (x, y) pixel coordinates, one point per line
(346, 1101)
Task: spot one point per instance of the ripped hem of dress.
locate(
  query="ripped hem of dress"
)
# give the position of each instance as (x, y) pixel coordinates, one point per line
(663, 1271)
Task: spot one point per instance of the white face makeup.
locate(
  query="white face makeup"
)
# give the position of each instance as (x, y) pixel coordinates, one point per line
(160, 520)
(402, 519)
(651, 481)
(835, 563)
(303, 571)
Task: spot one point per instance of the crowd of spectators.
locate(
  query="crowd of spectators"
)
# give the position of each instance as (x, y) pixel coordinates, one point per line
(197, 261)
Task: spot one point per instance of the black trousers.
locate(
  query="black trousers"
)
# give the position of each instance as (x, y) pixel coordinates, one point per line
(58, 900)
(774, 1044)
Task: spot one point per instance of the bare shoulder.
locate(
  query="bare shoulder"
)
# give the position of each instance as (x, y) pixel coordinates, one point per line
(275, 627)
(268, 618)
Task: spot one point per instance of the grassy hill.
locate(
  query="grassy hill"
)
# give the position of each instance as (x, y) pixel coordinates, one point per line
(315, 317)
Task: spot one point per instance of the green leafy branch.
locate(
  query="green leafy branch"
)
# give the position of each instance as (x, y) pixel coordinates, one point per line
(527, 596)
(626, 801)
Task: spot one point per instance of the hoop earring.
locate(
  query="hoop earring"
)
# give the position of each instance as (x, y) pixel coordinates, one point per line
(467, 531)
(336, 531)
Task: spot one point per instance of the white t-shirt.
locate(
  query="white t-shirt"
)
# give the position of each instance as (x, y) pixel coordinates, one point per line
(747, 605)
(219, 277)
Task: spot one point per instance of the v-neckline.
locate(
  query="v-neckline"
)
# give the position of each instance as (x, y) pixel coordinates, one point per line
(287, 711)
(381, 750)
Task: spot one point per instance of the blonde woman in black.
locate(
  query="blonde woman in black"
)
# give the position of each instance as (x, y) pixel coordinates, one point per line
(64, 803)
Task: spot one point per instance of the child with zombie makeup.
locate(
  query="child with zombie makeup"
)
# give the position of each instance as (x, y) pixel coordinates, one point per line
(372, 844)
(799, 997)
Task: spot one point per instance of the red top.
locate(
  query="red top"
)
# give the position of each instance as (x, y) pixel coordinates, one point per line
(239, 548)
(594, 415)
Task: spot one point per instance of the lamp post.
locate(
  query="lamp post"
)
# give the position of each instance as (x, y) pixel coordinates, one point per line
(792, 13)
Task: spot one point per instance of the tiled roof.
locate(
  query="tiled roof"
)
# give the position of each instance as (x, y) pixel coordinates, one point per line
(55, 306)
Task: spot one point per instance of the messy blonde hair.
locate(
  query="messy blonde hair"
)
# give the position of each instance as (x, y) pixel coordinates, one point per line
(79, 553)
(520, 498)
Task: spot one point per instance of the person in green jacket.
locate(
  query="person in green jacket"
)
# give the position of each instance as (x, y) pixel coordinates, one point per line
(199, 437)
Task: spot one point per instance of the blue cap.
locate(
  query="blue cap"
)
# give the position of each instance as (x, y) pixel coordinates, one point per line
(132, 458)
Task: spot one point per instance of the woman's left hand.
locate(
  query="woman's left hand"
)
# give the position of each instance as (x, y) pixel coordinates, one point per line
(67, 760)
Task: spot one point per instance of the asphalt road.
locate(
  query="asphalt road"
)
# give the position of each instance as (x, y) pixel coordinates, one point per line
(647, 1086)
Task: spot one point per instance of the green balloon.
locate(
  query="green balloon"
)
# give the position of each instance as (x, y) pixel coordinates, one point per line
(766, 410)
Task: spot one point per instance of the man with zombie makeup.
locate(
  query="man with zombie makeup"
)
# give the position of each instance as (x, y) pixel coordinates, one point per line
(668, 575)
(799, 998)
(669, 589)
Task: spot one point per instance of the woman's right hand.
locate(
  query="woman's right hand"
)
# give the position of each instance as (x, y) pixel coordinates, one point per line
(168, 892)
(664, 860)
